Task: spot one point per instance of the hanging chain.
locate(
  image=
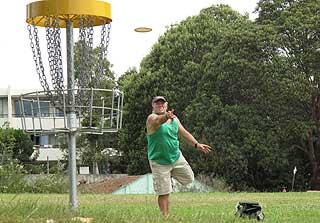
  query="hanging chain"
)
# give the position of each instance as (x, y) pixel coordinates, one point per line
(81, 66)
(54, 56)
(104, 43)
(85, 52)
(36, 52)
(85, 65)
(58, 56)
(90, 75)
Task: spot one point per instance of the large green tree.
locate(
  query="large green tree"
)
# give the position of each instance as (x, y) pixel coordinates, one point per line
(297, 24)
(240, 108)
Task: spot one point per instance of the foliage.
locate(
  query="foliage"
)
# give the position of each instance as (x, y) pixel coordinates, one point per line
(100, 150)
(297, 26)
(12, 178)
(15, 144)
(23, 147)
(48, 183)
(55, 183)
(218, 185)
(91, 65)
(235, 109)
(33, 168)
(131, 136)
(15, 148)
(6, 144)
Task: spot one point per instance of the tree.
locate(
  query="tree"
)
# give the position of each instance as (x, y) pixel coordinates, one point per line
(297, 25)
(237, 109)
(23, 147)
(91, 147)
(100, 151)
(15, 144)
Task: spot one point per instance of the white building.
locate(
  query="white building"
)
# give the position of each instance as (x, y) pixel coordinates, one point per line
(11, 114)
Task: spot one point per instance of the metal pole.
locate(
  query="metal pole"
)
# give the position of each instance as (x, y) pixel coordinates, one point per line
(292, 183)
(48, 165)
(294, 175)
(71, 115)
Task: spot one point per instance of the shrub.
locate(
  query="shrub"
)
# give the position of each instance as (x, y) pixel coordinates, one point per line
(54, 183)
(12, 178)
(215, 183)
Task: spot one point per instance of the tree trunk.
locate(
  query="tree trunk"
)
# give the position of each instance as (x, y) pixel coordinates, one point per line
(315, 167)
(315, 176)
(95, 168)
(314, 147)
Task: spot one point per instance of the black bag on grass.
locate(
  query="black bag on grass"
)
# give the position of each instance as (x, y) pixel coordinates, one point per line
(250, 210)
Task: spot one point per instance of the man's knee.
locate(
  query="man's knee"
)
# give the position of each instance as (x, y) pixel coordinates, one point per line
(163, 196)
(188, 179)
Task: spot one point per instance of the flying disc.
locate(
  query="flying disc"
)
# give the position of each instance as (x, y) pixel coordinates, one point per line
(143, 29)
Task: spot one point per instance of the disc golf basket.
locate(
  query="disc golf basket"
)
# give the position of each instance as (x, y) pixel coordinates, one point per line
(102, 113)
(78, 104)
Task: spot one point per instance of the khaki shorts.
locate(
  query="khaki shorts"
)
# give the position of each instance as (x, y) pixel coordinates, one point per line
(180, 170)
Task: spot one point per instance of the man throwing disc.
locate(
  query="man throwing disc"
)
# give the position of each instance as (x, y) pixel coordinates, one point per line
(165, 157)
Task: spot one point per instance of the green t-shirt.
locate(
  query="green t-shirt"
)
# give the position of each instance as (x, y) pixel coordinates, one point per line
(163, 144)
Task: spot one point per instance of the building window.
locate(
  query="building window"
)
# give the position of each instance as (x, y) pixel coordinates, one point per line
(58, 112)
(45, 141)
(3, 107)
(31, 108)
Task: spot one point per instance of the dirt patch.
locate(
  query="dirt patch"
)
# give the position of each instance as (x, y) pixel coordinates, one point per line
(108, 185)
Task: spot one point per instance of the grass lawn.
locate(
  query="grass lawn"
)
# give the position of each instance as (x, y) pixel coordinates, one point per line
(185, 207)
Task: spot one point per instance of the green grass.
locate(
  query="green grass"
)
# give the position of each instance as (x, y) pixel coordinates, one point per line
(185, 207)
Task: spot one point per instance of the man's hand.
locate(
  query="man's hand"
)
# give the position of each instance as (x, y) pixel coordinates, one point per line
(170, 114)
(204, 148)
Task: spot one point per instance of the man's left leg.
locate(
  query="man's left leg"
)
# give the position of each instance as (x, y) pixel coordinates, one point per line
(162, 184)
(182, 171)
(163, 202)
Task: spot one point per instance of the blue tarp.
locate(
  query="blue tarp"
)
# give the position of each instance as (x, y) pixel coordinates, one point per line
(144, 185)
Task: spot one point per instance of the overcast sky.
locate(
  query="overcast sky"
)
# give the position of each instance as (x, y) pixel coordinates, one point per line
(126, 49)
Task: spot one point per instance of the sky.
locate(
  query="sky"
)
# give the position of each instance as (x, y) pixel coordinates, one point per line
(126, 49)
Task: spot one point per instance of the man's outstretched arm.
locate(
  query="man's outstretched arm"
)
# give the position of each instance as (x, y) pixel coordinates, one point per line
(192, 141)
